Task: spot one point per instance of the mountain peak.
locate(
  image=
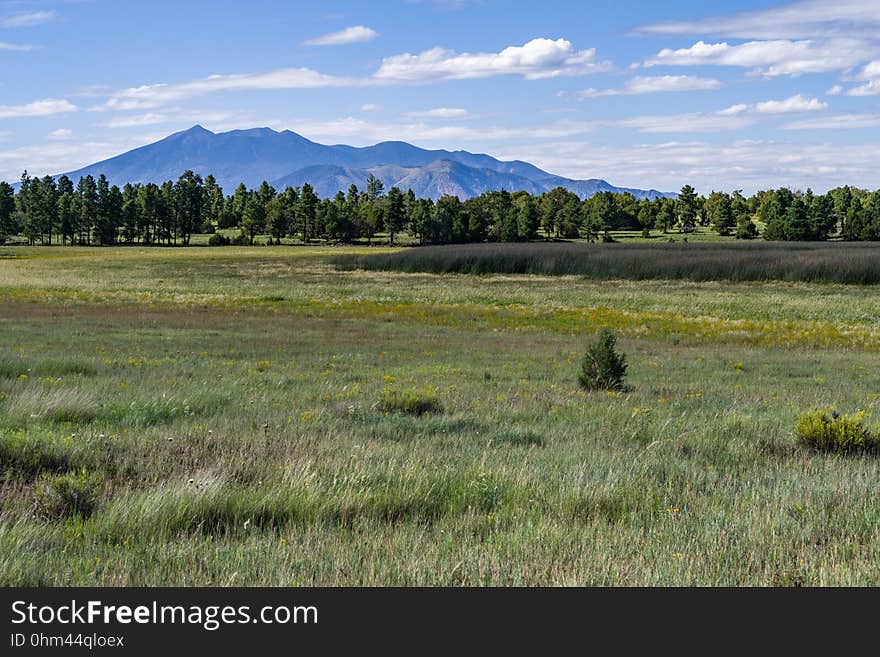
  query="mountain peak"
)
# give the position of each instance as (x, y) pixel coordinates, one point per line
(255, 132)
(257, 154)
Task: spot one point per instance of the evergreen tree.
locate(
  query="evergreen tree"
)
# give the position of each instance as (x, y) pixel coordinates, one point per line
(306, 209)
(375, 188)
(665, 215)
(570, 219)
(149, 201)
(395, 213)
(686, 208)
(66, 210)
(7, 211)
(646, 217)
(278, 218)
(87, 192)
(189, 200)
(722, 217)
(422, 220)
(167, 213)
(528, 220)
(253, 221)
(130, 213)
(215, 202)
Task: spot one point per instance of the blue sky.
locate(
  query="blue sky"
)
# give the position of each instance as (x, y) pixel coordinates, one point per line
(720, 94)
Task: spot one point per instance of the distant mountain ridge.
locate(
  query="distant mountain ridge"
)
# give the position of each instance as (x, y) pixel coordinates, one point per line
(286, 158)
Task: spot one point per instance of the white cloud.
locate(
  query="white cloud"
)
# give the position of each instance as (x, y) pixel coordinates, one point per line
(135, 121)
(734, 117)
(771, 58)
(684, 123)
(20, 47)
(370, 107)
(871, 73)
(871, 70)
(440, 113)
(537, 59)
(839, 122)
(355, 34)
(870, 88)
(658, 84)
(155, 95)
(734, 109)
(61, 133)
(53, 157)
(37, 108)
(27, 20)
(790, 105)
(747, 165)
(836, 90)
(173, 115)
(806, 18)
(361, 132)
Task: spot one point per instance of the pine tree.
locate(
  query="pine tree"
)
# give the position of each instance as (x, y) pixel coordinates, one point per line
(602, 368)
(528, 221)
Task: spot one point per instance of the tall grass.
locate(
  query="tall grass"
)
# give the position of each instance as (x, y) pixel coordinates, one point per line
(755, 261)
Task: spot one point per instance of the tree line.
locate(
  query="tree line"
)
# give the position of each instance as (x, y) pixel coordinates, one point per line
(55, 211)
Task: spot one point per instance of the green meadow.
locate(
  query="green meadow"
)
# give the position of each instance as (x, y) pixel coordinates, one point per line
(264, 416)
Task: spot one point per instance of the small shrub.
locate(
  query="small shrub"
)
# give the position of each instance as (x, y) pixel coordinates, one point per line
(67, 495)
(219, 239)
(488, 493)
(408, 402)
(602, 368)
(831, 432)
(518, 437)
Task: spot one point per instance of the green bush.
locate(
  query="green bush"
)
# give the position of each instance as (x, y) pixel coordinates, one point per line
(831, 432)
(602, 368)
(409, 402)
(218, 239)
(67, 495)
(488, 492)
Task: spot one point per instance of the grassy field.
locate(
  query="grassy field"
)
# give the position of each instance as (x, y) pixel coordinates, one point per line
(215, 416)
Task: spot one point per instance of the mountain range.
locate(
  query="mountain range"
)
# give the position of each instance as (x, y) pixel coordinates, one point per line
(286, 158)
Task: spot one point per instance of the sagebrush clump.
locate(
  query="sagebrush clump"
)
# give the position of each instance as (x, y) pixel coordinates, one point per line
(830, 432)
(409, 402)
(67, 495)
(602, 367)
